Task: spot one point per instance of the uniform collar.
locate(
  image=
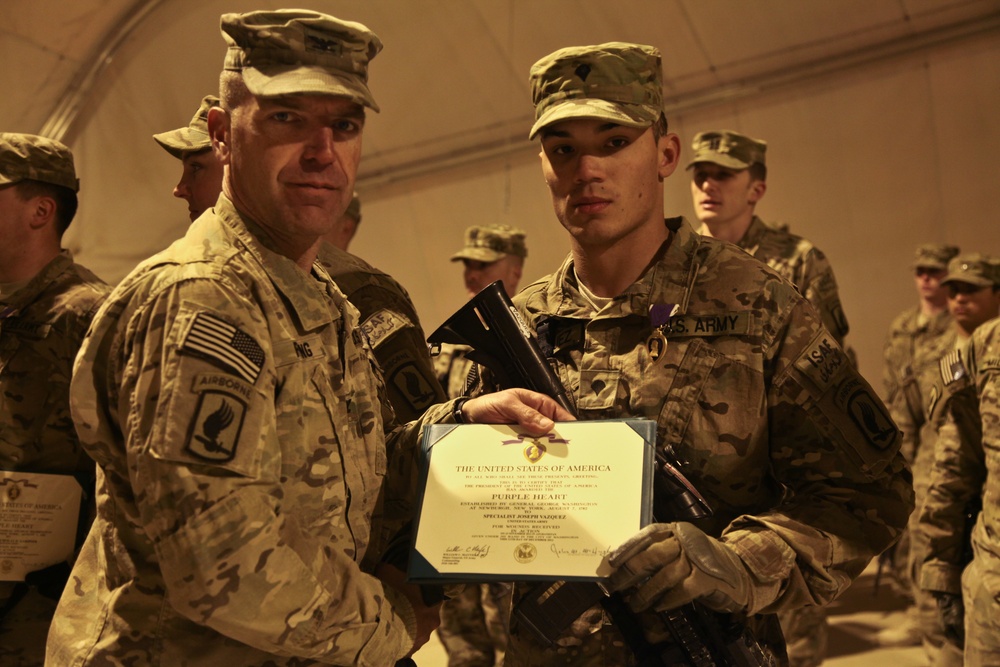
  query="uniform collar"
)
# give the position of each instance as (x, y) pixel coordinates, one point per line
(23, 297)
(306, 294)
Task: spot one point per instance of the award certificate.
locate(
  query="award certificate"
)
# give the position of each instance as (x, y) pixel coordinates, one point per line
(38, 516)
(500, 505)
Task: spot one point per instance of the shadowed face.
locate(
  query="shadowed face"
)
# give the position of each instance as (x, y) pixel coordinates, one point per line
(201, 182)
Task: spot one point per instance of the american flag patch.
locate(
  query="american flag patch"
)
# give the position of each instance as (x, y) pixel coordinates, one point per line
(219, 340)
(952, 368)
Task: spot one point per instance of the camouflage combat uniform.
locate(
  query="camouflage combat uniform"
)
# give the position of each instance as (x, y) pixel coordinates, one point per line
(232, 405)
(967, 465)
(390, 322)
(41, 327)
(762, 409)
(801, 263)
(805, 266)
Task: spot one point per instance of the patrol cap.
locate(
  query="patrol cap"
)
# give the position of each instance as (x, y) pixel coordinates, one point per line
(296, 51)
(934, 256)
(615, 81)
(31, 157)
(489, 243)
(727, 149)
(193, 138)
(354, 209)
(973, 268)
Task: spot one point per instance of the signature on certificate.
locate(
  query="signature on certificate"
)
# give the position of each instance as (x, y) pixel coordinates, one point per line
(476, 550)
(579, 551)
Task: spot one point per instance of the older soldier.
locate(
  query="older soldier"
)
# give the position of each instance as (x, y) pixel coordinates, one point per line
(46, 304)
(910, 347)
(728, 178)
(752, 395)
(230, 400)
(474, 625)
(343, 233)
(201, 178)
(387, 313)
(966, 474)
(490, 253)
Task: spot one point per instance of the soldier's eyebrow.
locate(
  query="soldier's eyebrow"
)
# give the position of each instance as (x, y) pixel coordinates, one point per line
(562, 134)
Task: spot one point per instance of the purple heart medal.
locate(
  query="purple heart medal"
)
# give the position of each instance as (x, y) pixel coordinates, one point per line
(659, 317)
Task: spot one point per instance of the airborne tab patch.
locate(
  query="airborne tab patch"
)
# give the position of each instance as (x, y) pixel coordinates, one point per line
(214, 338)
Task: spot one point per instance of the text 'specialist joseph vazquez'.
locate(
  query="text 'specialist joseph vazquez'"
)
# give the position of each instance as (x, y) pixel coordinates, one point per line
(497, 505)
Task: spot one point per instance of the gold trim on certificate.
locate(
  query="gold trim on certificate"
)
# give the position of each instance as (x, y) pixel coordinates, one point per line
(502, 505)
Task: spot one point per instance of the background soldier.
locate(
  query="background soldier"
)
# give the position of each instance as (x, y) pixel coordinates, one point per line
(233, 407)
(342, 235)
(966, 475)
(474, 625)
(910, 347)
(201, 178)
(728, 178)
(46, 304)
(491, 253)
(804, 494)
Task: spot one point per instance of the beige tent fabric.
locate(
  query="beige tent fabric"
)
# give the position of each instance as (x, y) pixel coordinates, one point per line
(866, 161)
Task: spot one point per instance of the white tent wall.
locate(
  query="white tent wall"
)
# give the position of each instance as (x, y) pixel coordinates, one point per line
(867, 162)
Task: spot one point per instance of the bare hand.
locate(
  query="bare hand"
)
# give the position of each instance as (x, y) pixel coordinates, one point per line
(535, 413)
(428, 618)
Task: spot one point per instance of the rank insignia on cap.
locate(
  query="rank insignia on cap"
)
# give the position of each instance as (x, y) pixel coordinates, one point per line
(216, 426)
(214, 338)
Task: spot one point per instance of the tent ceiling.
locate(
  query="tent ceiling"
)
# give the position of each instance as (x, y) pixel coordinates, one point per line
(453, 76)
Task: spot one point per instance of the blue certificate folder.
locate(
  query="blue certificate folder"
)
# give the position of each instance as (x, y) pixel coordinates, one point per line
(499, 505)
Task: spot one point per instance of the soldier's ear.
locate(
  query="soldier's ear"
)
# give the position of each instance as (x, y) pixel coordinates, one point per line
(220, 131)
(757, 190)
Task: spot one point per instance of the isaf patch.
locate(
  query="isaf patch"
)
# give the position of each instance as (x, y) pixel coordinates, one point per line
(215, 429)
(382, 324)
(215, 339)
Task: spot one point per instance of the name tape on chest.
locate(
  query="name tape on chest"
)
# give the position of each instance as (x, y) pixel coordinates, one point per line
(721, 324)
(214, 338)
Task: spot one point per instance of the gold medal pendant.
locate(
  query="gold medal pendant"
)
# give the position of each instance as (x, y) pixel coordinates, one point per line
(656, 344)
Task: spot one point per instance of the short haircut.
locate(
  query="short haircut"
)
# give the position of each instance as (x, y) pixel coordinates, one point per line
(758, 172)
(65, 198)
(660, 127)
(233, 91)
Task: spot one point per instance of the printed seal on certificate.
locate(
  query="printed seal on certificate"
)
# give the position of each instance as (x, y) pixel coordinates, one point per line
(500, 505)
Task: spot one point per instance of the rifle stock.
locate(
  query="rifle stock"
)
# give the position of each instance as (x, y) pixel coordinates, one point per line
(502, 342)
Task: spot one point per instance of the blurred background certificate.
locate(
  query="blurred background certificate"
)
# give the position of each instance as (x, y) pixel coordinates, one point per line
(498, 505)
(38, 516)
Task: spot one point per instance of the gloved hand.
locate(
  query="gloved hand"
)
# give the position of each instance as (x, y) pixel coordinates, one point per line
(671, 564)
(951, 612)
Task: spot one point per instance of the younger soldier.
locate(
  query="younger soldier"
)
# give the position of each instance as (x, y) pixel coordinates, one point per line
(728, 178)
(201, 178)
(46, 304)
(751, 394)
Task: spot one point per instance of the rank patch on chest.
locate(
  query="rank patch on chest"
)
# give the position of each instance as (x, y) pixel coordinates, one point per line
(215, 429)
(214, 338)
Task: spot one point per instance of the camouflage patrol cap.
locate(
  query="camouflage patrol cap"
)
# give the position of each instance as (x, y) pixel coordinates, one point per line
(193, 138)
(975, 269)
(34, 158)
(727, 149)
(614, 81)
(354, 209)
(489, 243)
(934, 256)
(296, 51)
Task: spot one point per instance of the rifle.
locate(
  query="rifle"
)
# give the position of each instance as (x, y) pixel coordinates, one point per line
(502, 342)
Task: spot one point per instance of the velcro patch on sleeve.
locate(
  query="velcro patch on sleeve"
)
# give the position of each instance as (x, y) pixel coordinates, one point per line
(822, 361)
(382, 324)
(952, 368)
(215, 339)
(215, 429)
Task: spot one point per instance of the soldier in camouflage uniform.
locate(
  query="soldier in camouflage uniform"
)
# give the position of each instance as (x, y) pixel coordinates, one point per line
(343, 233)
(728, 178)
(46, 304)
(490, 253)
(201, 178)
(912, 347)
(751, 393)
(475, 624)
(231, 401)
(966, 471)
(388, 315)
